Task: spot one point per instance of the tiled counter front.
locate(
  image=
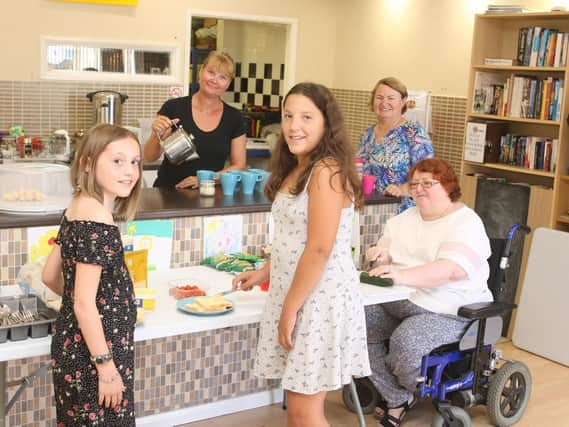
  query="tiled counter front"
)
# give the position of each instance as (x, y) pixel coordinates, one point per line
(174, 372)
(171, 373)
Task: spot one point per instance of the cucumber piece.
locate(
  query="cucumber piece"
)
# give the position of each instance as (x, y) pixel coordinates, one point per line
(375, 280)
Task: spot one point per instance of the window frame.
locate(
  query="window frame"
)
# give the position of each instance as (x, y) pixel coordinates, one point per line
(128, 48)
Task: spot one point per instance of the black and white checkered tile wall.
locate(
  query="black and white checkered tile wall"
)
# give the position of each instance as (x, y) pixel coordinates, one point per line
(258, 84)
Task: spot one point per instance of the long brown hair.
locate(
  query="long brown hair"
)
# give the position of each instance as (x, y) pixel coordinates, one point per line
(90, 148)
(334, 145)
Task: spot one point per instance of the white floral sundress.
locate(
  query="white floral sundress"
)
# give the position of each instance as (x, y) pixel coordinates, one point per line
(330, 336)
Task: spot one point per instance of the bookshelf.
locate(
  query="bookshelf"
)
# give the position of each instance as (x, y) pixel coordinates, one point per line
(499, 36)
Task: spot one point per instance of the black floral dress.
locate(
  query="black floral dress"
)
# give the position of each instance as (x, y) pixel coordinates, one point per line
(75, 378)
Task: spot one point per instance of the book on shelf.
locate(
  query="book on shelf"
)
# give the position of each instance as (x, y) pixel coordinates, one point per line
(505, 8)
(498, 61)
(530, 152)
(482, 143)
(542, 47)
(517, 96)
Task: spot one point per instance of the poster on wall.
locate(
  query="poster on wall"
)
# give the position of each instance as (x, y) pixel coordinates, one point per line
(419, 108)
(40, 242)
(155, 236)
(222, 234)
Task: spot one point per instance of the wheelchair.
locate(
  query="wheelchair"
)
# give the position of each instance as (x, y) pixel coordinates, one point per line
(470, 372)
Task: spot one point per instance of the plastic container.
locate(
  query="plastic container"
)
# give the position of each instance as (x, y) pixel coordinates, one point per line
(34, 188)
(207, 187)
(145, 298)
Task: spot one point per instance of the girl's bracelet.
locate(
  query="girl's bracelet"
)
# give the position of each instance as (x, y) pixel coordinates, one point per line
(109, 379)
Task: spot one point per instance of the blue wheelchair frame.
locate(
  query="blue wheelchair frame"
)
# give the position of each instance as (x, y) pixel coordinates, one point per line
(433, 365)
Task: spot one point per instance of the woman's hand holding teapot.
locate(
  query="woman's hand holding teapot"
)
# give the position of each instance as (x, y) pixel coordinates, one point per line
(162, 126)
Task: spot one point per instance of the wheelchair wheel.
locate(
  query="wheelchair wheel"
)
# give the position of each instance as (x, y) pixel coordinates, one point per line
(459, 418)
(508, 394)
(368, 395)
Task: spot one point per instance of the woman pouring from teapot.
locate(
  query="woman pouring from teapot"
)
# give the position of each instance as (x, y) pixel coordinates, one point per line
(218, 129)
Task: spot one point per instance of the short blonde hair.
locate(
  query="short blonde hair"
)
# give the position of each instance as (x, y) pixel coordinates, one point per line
(222, 62)
(90, 148)
(395, 84)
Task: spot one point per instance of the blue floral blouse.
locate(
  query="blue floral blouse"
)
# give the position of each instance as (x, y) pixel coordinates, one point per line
(391, 158)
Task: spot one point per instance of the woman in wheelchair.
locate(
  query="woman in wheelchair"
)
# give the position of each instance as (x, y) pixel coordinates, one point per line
(439, 247)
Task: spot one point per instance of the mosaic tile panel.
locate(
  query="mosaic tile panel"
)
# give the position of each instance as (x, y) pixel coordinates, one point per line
(171, 373)
(255, 232)
(448, 121)
(372, 221)
(43, 106)
(187, 242)
(13, 253)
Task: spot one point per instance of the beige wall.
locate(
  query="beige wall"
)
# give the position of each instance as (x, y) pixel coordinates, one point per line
(343, 44)
(155, 21)
(255, 41)
(426, 43)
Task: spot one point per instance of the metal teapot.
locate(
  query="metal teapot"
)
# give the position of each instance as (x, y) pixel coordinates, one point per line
(179, 147)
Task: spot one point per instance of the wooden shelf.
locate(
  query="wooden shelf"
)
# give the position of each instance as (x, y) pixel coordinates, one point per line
(523, 69)
(513, 119)
(524, 16)
(564, 219)
(509, 168)
(564, 178)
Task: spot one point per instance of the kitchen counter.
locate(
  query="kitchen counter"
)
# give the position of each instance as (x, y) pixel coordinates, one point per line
(167, 203)
(166, 320)
(201, 335)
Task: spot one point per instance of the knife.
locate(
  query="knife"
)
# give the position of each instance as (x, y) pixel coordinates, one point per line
(227, 292)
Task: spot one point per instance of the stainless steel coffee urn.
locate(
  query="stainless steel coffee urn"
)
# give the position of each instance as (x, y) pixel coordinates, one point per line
(107, 106)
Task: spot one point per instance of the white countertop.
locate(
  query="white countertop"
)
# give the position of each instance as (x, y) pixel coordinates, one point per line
(166, 320)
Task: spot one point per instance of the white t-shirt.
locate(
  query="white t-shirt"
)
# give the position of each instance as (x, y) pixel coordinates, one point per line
(459, 237)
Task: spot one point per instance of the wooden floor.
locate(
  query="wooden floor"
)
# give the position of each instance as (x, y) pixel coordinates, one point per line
(548, 406)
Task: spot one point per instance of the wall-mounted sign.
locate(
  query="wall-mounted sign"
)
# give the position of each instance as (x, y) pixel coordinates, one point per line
(115, 2)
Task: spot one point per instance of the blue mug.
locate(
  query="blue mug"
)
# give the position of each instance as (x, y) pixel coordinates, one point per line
(203, 174)
(229, 182)
(248, 181)
(260, 185)
(238, 173)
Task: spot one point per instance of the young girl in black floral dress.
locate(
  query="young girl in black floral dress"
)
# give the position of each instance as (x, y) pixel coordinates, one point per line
(93, 339)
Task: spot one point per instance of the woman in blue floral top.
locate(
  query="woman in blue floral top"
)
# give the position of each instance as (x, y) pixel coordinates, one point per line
(92, 348)
(392, 146)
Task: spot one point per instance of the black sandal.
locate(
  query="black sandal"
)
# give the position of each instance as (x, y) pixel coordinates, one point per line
(380, 410)
(391, 421)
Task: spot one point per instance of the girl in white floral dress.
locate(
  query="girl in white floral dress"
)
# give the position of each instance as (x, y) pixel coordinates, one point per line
(312, 334)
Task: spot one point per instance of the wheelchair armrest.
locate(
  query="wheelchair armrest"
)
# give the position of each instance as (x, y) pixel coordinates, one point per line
(484, 310)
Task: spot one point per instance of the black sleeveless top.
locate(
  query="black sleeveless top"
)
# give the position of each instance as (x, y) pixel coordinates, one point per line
(213, 147)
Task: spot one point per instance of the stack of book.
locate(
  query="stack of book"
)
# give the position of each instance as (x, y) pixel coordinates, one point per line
(542, 47)
(505, 8)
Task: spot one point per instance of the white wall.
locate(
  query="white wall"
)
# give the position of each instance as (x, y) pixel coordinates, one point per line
(255, 41)
(157, 22)
(426, 43)
(347, 44)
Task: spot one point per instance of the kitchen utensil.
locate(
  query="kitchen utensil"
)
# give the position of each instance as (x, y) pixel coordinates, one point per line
(107, 106)
(179, 146)
(230, 291)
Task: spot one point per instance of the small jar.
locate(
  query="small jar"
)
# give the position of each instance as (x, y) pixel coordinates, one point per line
(207, 187)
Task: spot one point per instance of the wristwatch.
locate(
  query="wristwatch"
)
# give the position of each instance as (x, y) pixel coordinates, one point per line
(102, 358)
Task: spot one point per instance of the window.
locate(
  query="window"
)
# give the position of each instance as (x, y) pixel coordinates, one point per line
(109, 61)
